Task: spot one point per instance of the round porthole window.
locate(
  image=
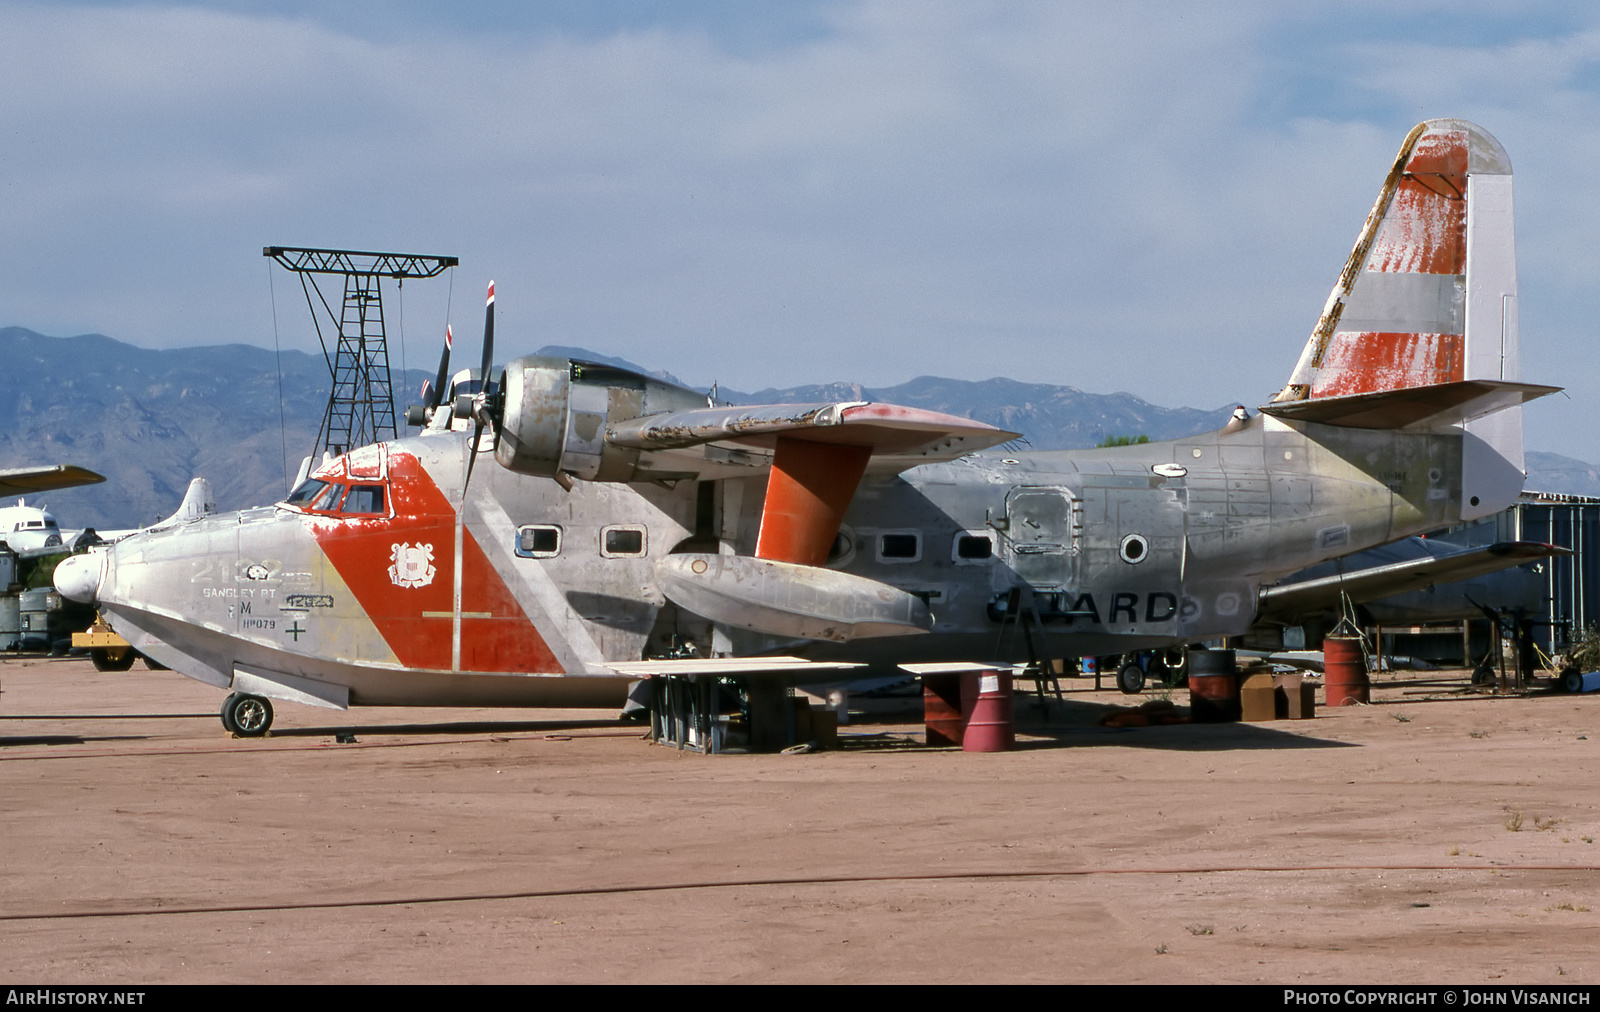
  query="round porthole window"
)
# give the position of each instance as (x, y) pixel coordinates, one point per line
(1134, 549)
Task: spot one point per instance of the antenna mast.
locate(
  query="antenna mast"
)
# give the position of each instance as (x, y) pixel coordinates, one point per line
(361, 404)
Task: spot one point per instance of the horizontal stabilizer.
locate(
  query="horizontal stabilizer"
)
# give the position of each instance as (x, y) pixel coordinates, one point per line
(1437, 406)
(888, 429)
(1288, 601)
(29, 480)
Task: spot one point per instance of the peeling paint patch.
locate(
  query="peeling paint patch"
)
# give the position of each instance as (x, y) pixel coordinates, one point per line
(1364, 362)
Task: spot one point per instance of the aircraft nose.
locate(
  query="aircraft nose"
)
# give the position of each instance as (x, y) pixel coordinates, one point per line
(78, 578)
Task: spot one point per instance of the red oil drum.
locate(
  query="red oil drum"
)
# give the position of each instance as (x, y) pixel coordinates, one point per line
(1213, 686)
(986, 700)
(1344, 671)
(941, 709)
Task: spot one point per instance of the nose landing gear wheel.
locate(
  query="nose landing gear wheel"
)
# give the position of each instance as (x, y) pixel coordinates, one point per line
(246, 716)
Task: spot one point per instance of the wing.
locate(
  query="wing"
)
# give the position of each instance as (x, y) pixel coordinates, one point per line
(1286, 601)
(567, 419)
(898, 437)
(29, 480)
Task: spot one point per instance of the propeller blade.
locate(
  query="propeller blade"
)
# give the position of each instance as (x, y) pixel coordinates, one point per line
(472, 458)
(488, 338)
(432, 397)
(485, 405)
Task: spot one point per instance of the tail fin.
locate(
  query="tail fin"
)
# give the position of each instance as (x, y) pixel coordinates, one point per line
(197, 502)
(1420, 330)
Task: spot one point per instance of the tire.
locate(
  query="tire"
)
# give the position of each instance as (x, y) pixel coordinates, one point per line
(1572, 681)
(154, 665)
(1130, 678)
(103, 661)
(247, 716)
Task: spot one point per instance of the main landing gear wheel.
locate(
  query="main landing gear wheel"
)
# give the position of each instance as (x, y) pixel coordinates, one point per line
(1130, 678)
(246, 716)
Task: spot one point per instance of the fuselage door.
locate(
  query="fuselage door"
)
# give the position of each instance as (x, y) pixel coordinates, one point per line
(1041, 535)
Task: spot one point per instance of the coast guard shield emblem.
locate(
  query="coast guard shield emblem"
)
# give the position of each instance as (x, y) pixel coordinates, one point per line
(412, 565)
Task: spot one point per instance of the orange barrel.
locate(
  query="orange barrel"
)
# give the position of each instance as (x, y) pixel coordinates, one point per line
(941, 709)
(1213, 686)
(1344, 671)
(986, 703)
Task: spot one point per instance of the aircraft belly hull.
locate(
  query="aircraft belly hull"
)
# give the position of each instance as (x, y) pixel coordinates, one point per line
(216, 657)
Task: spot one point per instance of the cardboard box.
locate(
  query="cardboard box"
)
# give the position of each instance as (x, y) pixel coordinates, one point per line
(1296, 697)
(1258, 698)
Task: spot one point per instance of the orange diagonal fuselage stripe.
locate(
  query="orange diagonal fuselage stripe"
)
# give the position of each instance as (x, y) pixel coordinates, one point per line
(412, 605)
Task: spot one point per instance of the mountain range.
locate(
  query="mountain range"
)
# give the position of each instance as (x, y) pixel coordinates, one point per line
(244, 416)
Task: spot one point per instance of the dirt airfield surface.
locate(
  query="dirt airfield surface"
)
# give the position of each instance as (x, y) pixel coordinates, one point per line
(1434, 837)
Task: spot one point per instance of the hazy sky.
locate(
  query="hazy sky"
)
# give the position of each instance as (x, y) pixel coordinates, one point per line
(1144, 197)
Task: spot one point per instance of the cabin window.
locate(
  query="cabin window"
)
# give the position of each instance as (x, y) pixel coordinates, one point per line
(622, 541)
(364, 499)
(539, 541)
(972, 548)
(1133, 549)
(899, 546)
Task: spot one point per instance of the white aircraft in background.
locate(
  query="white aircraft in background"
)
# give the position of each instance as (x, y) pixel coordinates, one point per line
(27, 528)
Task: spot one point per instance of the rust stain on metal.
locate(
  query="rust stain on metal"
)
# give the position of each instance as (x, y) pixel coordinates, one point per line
(1358, 363)
(1425, 230)
(1416, 226)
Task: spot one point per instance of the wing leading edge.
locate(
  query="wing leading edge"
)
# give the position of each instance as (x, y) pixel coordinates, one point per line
(30, 480)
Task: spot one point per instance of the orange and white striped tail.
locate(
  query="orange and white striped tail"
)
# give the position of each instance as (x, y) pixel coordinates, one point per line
(1420, 330)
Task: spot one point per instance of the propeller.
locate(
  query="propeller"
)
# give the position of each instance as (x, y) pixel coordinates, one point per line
(482, 406)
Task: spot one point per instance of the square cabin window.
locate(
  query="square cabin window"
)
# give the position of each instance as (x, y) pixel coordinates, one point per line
(972, 548)
(539, 541)
(899, 546)
(622, 541)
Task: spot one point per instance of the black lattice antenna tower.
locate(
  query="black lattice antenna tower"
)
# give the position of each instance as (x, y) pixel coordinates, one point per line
(361, 404)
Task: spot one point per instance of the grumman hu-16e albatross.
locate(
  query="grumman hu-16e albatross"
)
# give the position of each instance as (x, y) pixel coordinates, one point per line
(625, 527)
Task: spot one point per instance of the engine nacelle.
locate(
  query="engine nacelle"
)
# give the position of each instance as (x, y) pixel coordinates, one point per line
(557, 410)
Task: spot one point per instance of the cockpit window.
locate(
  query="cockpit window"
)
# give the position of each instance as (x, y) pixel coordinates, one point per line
(306, 492)
(318, 496)
(329, 499)
(364, 499)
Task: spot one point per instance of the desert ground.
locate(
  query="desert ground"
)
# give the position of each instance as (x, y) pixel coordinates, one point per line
(1439, 835)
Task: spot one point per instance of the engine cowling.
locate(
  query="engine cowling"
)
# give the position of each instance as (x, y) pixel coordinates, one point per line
(556, 412)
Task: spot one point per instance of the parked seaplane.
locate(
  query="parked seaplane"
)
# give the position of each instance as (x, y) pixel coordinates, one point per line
(626, 525)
